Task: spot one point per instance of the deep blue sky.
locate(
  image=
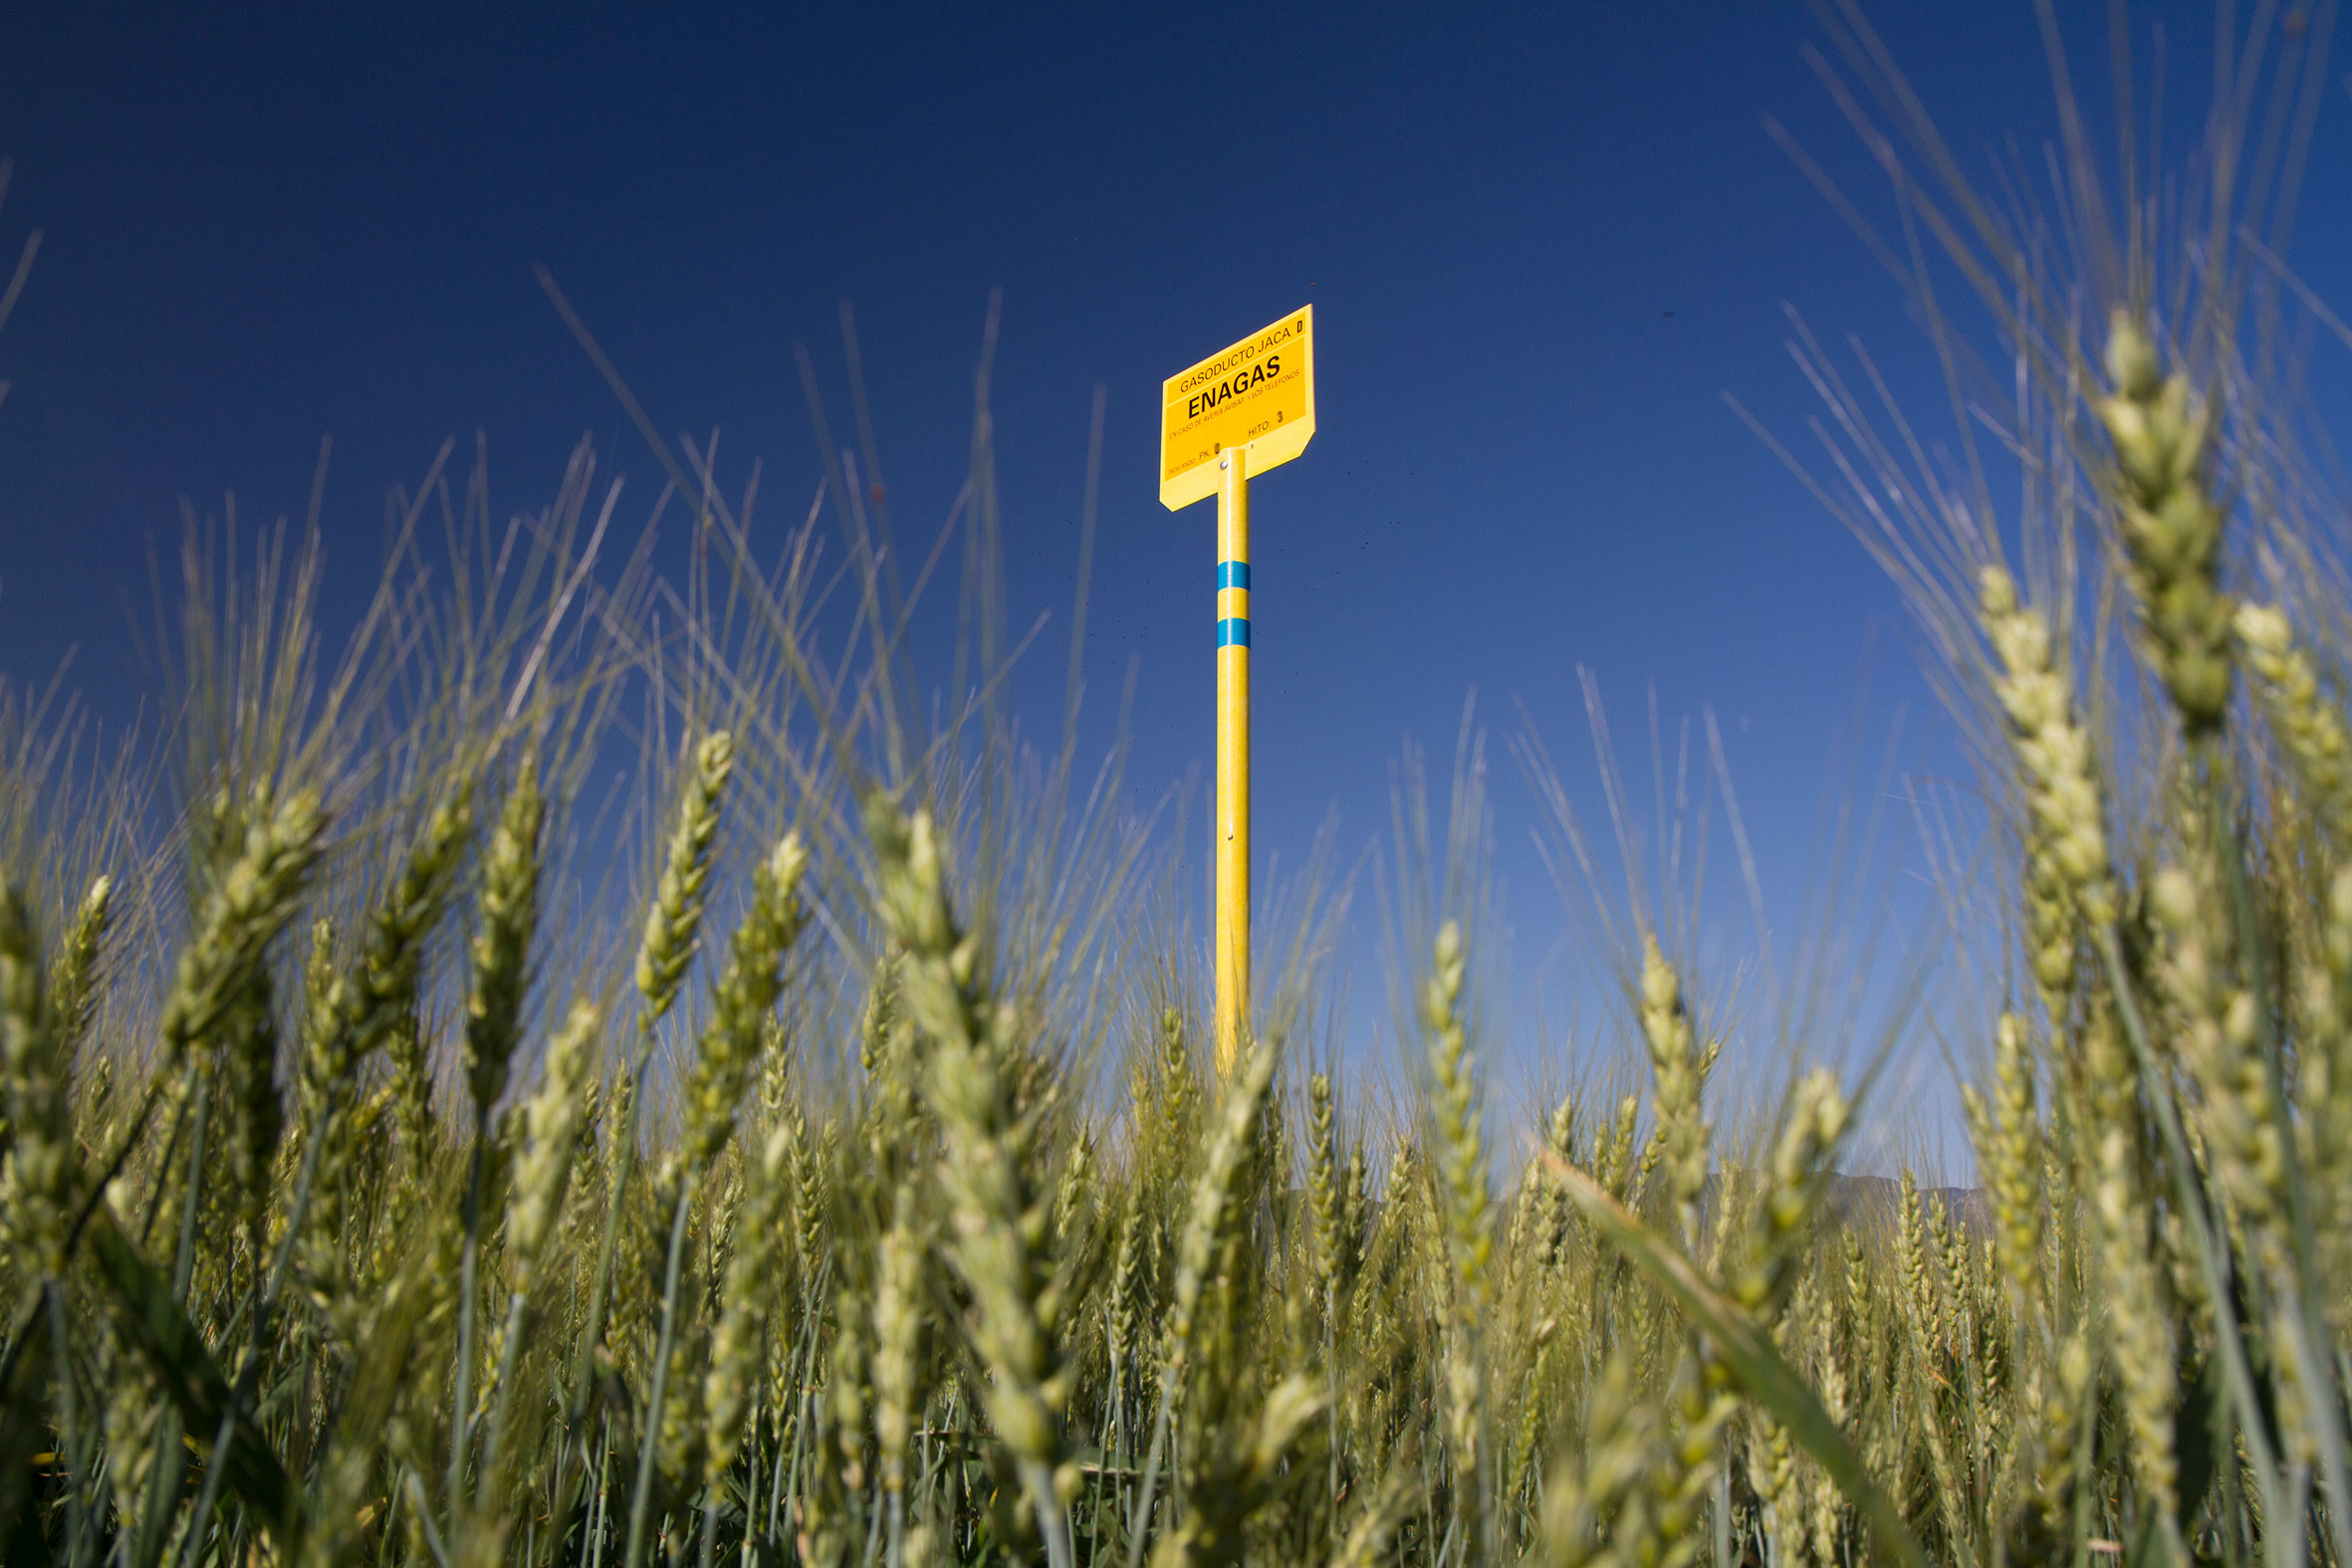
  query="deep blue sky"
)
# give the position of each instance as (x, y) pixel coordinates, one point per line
(1542, 242)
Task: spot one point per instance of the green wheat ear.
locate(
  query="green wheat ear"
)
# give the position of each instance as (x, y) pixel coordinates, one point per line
(73, 982)
(999, 1217)
(743, 1305)
(37, 1161)
(1469, 1223)
(1322, 1185)
(673, 923)
(2311, 729)
(1798, 1176)
(2069, 879)
(1675, 1063)
(742, 1004)
(508, 918)
(2169, 523)
(241, 915)
(1463, 1156)
(898, 1330)
(554, 1120)
(2013, 1155)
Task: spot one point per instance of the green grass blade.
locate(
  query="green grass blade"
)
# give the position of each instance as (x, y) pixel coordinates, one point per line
(156, 1323)
(1763, 1373)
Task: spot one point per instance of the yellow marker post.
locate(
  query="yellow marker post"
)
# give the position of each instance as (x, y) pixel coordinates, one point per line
(1232, 753)
(1236, 414)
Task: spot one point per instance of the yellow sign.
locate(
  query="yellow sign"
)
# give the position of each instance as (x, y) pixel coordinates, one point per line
(1259, 394)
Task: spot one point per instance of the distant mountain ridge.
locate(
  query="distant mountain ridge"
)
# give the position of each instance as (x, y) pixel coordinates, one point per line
(1875, 1197)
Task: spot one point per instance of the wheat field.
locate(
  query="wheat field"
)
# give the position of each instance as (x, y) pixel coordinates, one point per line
(418, 1149)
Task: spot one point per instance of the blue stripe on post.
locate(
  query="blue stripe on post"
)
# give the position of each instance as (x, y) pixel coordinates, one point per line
(1233, 632)
(1233, 574)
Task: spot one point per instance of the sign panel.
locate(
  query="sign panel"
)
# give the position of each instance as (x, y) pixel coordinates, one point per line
(1258, 394)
